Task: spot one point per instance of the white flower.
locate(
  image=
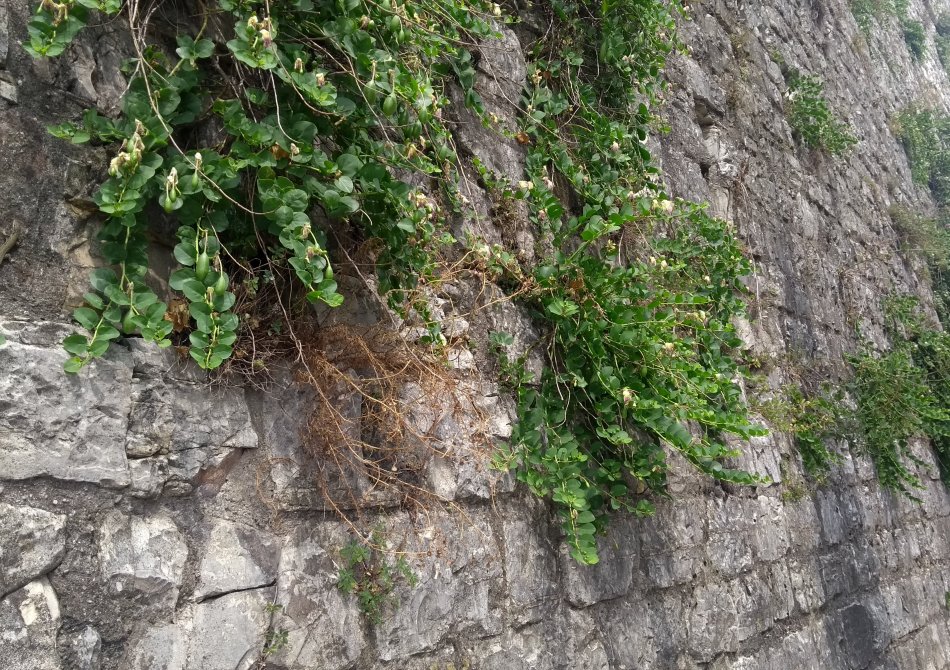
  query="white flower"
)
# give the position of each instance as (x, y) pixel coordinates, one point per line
(525, 185)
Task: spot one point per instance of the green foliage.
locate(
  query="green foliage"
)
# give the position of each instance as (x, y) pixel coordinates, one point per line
(925, 134)
(868, 12)
(942, 39)
(814, 419)
(924, 235)
(322, 103)
(809, 115)
(274, 640)
(639, 346)
(367, 574)
(901, 394)
(915, 37)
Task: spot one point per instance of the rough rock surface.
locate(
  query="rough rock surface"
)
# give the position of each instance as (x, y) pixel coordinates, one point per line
(32, 542)
(150, 521)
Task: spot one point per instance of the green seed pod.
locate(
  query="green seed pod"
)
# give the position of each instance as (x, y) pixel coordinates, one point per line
(389, 104)
(202, 265)
(328, 272)
(395, 23)
(370, 92)
(221, 285)
(128, 326)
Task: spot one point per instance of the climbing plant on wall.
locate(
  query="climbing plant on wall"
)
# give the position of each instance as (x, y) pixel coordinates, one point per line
(638, 299)
(322, 112)
(317, 107)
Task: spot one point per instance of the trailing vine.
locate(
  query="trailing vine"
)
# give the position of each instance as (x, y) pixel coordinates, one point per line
(316, 107)
(637, 299)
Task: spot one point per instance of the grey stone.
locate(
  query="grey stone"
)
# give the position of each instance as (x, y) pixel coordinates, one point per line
(195, 430)
(229, 632)
(323, 625)
(612, 576)
(83, 649)
(52, 424)
(32, 542)
(235, 558)
(142, 556)
(713, 622)
(454, 586)
(29, 621)
(8, 91)
(161, 647)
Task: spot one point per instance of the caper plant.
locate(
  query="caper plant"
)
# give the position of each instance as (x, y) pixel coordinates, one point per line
(641, 350)
(321, 104)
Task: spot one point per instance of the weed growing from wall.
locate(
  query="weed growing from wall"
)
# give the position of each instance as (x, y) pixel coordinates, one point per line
(915, 38)
(927, 236)
(925, 134)
(942, 39)
(812, 119)
(868, 12)
(814, 419)
(366, 573)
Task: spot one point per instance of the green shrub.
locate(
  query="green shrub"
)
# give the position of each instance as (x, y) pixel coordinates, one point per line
(813, 419)
(942, 44)
(902, 394)
(925, 134)
(867, 12)
(635, 303)
(915, 37)
(809, 115)
(924, 235)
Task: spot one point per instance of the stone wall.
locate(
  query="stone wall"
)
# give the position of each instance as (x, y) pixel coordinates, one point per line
(134, 536)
